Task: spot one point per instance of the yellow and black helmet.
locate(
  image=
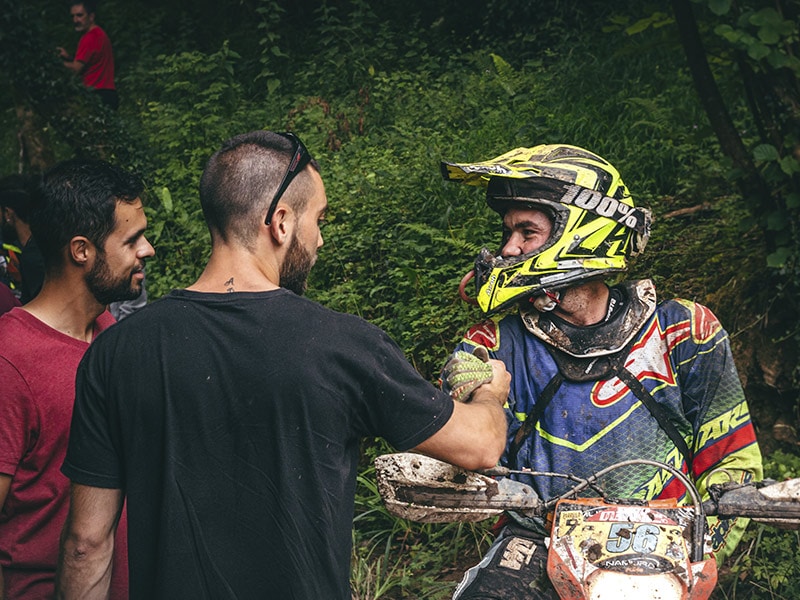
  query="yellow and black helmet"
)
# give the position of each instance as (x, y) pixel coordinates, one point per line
(596, 227)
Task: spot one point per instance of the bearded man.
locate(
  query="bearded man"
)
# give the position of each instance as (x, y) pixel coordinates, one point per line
(235, 436)
(89, 221)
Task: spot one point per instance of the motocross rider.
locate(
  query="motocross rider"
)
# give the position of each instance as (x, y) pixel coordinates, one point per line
(600, 373)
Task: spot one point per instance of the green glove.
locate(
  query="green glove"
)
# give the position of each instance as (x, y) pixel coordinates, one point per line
(465, 372)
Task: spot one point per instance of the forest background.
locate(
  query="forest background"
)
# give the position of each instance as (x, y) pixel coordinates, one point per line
(696, 103)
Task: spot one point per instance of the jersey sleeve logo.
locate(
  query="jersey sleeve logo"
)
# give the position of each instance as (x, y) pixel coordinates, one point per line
(704, 323)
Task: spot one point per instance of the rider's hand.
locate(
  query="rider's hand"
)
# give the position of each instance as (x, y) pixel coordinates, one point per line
(465, 372)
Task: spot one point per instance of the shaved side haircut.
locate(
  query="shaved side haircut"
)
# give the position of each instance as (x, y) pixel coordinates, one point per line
(240, 180)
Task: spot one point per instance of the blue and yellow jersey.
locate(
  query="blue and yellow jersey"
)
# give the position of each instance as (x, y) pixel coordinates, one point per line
(682, 357)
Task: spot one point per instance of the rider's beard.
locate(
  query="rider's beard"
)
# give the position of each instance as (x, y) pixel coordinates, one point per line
(296, 267)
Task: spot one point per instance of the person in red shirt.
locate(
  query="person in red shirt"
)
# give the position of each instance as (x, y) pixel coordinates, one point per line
(94, 59)
(89, 219)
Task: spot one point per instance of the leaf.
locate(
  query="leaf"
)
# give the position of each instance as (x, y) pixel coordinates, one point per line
(664, 21)
(769, 35)
(778, 258)
(154, 232)
(778, 60)
(505, 73)
(720, 7)
(757, 51)
(765, 153)
(728, 33)
(639, 26)
(165, 197)
(766, 17)
(789, 165)
(793, 200)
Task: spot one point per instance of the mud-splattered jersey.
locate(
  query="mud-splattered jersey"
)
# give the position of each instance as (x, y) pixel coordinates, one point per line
(682, 357)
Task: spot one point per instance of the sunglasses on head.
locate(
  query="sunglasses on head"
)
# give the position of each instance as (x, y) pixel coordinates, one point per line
(300, 158)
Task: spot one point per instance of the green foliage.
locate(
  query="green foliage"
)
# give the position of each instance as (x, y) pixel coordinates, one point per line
(770, 42)
(269, 13)
(765, 35)
(381, 93)
(767, 564)
(762, 40)
(781, 465)
(198, 106)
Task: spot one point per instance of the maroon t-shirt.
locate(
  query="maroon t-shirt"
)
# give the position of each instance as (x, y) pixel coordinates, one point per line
(37, 391)
(94, 50)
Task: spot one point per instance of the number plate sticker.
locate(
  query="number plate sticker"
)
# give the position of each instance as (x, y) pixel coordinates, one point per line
(634, 539)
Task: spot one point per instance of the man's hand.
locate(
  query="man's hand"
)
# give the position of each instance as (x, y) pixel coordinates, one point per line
(465, 372)
(69, 61)
(475, 435)
(498, 388)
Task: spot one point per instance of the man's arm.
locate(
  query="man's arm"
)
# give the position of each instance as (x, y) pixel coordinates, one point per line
(73, 65)
(18, 418)
(475, 435)
(87, 543)
(5, 486)
(725, 445)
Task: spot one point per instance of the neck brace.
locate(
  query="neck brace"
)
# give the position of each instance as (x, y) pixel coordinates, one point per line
(603, 339)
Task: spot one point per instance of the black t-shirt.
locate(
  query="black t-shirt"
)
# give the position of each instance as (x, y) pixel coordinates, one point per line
(232, 422)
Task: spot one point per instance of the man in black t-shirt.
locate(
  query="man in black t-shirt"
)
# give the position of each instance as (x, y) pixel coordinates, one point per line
(235, 433)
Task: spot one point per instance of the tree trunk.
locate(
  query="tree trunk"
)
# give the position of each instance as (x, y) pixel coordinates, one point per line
(35, 154)
(710, 97)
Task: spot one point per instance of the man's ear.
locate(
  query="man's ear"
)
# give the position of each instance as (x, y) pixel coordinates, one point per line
(81, 250)
(9, 215)
(282, 224)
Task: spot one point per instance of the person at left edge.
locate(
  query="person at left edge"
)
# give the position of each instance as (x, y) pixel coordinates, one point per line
(235, 437)
(94, 59)
(15, 194)
(89, 220)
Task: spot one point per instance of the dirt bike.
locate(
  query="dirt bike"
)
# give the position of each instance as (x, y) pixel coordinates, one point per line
(599, 547)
